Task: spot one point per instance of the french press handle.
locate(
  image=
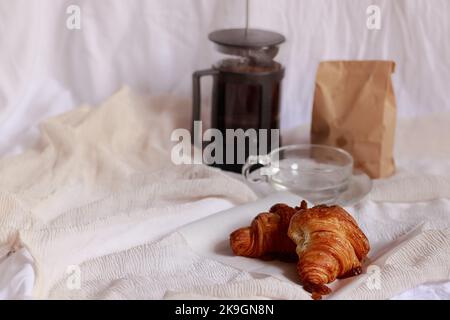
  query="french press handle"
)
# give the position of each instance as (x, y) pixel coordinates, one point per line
(196, 96)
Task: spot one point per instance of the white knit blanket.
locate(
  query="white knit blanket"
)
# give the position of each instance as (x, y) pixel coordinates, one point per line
(98, 200)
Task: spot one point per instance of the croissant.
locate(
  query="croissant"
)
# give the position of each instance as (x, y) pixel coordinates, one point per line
(267, 236)
(329, 245)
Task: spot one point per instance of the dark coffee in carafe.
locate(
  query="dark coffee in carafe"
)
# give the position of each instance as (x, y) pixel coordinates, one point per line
(246, 91)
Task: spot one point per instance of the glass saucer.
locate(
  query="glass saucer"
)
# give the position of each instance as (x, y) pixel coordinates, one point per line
(358, 188)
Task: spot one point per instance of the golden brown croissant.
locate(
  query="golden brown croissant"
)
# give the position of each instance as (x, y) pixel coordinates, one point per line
(267, 236)
(329, 244)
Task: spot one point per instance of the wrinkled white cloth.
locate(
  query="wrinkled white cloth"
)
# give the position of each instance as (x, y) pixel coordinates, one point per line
(155, 46)
(102, 181)
(17, 274)
(99, 195)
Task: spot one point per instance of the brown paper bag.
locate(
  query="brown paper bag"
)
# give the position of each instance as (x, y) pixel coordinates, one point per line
(354, 109)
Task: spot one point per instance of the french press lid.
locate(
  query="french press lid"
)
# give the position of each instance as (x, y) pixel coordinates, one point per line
(256, 44)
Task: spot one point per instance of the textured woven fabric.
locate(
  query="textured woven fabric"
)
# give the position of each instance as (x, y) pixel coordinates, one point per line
(101, 181)
(100, 196)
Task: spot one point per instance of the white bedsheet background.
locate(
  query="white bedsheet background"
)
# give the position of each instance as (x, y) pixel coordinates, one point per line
(155, 45)
(114, 159)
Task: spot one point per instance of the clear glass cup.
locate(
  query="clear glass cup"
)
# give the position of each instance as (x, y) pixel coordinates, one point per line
(317, 173)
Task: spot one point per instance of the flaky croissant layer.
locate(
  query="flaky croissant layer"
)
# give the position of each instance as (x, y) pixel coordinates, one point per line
(325, 241)
(267, 236)
(329, 245)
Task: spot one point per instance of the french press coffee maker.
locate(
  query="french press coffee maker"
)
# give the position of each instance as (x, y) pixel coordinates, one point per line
(246, 89)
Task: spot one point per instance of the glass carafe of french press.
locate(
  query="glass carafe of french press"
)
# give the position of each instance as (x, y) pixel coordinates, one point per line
(246, 91)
